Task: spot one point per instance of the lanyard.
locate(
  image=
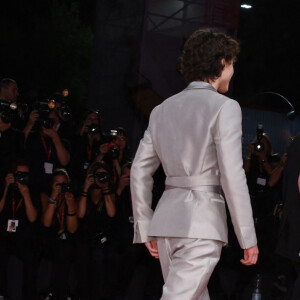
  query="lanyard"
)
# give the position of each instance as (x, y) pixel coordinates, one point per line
(48, 151)
(89, 152)
(14, 208)
(61, 214)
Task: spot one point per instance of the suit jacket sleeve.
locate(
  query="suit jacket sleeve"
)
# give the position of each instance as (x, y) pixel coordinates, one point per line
(233, 180)
(144, 165)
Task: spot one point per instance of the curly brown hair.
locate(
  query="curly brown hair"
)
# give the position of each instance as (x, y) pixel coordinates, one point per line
(202, 54)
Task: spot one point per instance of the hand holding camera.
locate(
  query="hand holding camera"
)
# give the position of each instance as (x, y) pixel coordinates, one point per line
(102, 179)
(70, 200)
(89, 180)
(33, 117)
(9, 179)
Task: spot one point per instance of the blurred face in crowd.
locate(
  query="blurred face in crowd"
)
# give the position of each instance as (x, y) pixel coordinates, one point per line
(10, 93)
(59, 179)
(121, 141)
(24, 169)
(92, 118)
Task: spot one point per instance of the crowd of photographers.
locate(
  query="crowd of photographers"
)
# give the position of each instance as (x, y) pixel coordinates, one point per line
(66, 225)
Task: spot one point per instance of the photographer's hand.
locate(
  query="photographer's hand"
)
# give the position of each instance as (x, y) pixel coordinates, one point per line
(9, 179)
(72, 221)
(31, 121)
(56, 190)
(24, 190)
(84, 130)
(103, 149)
(70, 200)
(31, 211)
(33, 117)
(123, 182)
(89, 180)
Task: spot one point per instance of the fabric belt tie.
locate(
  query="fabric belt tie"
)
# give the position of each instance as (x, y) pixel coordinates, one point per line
(201, 188)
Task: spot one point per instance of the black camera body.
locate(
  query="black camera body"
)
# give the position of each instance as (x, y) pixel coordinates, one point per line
(8, 111)
(44, 108)
(259, 145)
(65, 187)
(22, 178)
(101, 177)
(65, 110)
(113, 148)
(94, 129)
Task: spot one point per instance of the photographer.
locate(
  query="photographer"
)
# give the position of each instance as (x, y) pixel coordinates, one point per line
(86, 146)
(263, 172)
(98, 253)
(9, 93)
(114, 150)
(18, 213)
(59, 217)
(46, 151)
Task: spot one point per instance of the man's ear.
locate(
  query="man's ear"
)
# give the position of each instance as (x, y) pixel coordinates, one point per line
(223, 62)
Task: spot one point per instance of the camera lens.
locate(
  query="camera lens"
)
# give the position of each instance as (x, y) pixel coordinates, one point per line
(101, 177)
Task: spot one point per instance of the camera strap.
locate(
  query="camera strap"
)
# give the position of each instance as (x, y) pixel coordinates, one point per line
(89, 152)
(61, 216)
(14, 208)
(48, 151)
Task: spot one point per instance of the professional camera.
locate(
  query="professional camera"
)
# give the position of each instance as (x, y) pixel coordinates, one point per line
(44, 108)
(22, 178)
(65, 187)
(259, 145)
(101, 177)
(113, 148)
(64, 110)
(8, 111)
(94, 129)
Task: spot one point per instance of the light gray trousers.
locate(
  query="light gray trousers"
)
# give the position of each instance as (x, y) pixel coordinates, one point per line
(187, 265)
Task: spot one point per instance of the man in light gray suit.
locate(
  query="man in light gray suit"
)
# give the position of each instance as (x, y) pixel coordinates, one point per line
(196, 136)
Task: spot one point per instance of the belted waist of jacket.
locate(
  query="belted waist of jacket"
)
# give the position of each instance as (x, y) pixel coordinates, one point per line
(192, 182)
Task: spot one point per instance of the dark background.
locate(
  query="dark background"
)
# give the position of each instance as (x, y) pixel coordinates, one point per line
(95, 49)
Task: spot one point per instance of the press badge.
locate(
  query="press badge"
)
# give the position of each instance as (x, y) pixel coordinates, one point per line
(12, 225)
(63, 236)
(261, 181)
(48, 167)
(86, 165)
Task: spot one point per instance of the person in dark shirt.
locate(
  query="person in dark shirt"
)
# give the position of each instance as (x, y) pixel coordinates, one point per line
(45, 152)
(18, 213)
(59, 218)
(86, 147)
(98, 256)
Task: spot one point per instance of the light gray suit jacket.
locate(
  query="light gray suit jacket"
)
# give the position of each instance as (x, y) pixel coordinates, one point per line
(196, 135)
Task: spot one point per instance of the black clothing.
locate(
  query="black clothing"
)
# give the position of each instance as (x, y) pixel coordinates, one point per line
(58, 247)
(98, 258)
(38, 151)
(289, 235)
(11, 149)
(82, 158)
(20, 245)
